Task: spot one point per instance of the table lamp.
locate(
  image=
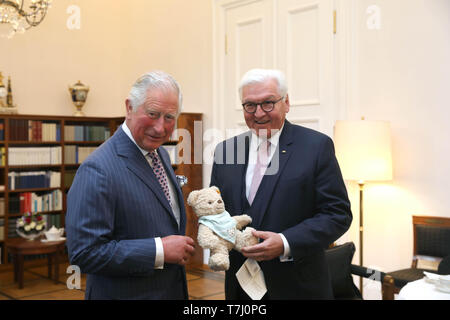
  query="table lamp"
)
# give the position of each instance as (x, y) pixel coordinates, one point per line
(363, 149)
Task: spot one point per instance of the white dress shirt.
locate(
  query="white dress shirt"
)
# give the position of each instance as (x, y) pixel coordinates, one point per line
(159, 259)
(255, 142)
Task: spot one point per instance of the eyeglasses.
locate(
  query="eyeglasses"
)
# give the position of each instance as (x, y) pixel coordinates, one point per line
(266, 106)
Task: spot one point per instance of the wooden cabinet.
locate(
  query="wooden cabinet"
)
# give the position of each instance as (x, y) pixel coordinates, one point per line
(39, 156)
(190, 127)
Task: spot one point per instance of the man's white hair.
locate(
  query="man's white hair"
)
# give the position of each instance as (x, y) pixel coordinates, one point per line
(153, 80)
(261, 75)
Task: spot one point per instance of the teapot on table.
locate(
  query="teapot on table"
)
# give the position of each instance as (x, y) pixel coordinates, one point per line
(54, 233)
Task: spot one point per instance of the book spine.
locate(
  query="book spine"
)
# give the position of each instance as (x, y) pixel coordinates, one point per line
(2, 130)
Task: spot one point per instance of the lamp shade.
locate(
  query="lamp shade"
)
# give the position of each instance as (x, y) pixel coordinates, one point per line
(363, 149)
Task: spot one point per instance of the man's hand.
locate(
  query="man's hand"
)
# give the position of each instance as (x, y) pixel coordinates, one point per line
(271, 248)
(177, 249)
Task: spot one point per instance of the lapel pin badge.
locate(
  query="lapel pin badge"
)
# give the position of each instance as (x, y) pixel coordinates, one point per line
(182, 180)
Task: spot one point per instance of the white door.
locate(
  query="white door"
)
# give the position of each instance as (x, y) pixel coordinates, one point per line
(295, 36)
(249, 44)
(305, 53)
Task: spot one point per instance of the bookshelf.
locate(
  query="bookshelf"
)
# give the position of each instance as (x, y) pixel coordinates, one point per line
(39, 156)
(35, 171)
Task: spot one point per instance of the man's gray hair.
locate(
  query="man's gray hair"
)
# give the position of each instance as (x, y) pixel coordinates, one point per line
(261, 75)
(153, 80)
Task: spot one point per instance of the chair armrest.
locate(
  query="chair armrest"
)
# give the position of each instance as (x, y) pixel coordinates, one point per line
(387, 282)
(367, 273)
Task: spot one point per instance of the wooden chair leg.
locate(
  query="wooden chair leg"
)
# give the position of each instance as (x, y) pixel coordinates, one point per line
(20, 270)
(16, 267)
(50, 271)
(388, 288)
(56, 262)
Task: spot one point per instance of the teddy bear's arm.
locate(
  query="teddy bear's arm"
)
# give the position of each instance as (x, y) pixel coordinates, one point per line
(242, 221)
(207, 239)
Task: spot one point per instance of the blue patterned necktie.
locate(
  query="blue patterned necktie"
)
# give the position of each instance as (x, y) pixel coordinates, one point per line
(160, 174)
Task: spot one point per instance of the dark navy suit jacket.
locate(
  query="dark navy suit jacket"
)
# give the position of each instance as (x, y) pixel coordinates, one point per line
(115, 209)
(306, 200)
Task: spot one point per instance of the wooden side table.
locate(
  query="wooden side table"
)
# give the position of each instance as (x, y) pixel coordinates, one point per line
(19, 248)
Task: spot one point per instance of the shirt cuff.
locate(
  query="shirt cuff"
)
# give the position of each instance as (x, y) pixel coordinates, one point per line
(159, 258)
(286, 256)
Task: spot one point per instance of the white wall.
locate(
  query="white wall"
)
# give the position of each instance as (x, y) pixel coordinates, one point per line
(117, 42)
(174, 36)
(46, 59)
(403, 76)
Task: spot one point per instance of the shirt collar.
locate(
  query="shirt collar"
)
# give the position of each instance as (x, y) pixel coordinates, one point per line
(274, 140)
(128, 133)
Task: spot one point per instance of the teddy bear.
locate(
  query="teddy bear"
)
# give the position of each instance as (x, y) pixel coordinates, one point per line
(217, 230)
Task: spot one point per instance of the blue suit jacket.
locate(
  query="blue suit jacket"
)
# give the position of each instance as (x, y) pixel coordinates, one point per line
(306, 201)
(115, 209)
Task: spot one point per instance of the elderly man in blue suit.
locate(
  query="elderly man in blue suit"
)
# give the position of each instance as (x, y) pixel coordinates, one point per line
(125, 217)
(290, 185)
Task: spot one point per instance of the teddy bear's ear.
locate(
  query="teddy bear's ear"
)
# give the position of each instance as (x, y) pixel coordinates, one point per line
(192, 198)
(215, 189)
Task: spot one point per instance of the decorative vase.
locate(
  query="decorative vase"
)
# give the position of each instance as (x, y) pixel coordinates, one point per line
(30, 226)
(30, 236)
(79, 93)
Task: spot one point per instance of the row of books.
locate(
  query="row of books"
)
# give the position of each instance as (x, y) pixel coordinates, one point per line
(2, 229)
(2, 156)
(77, 154)
(2, 207)
(34, 156)
(45, 155)
(34, 130)
(32, 202)
(34, 179)
(37, 130)
(86, 133)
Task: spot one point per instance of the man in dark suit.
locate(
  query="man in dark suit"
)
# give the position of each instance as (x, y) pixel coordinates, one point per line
(298, 201)
(125, 217)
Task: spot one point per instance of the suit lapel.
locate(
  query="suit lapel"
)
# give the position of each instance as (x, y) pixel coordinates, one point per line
(137, 164)
(241, 169)
(171, 176)
(269, 182)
